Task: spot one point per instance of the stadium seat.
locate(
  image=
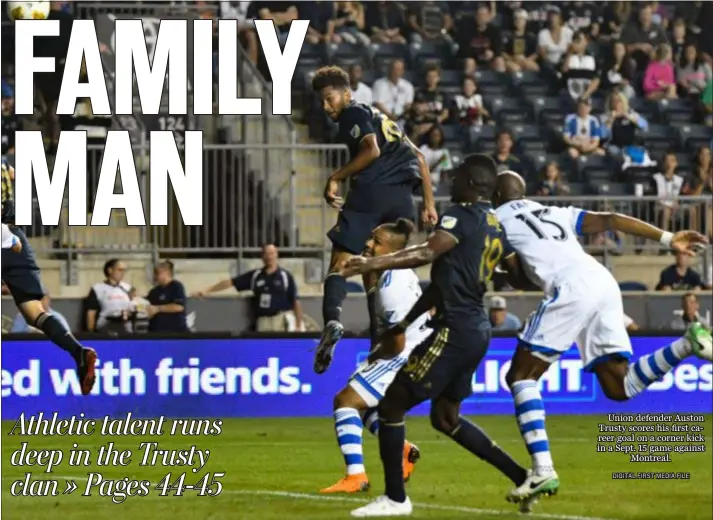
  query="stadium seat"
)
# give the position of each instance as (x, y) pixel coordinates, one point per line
(479, 133)
(354, 287)
(421, 52)
(453, 134)
(342, 51)
(660, 138)
(529, 138)
(633, 286)
(530, 84)
(546, 108)
(390, 50)
(644, 108)
(451, 78)
(695, 136)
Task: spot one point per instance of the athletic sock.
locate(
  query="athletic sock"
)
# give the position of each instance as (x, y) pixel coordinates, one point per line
(335, 290)
(60, 336)
(476, 441)
(371, 420)
(347, 424)
(649, 369)
(371, 307)
(530, 414)
(391, 447)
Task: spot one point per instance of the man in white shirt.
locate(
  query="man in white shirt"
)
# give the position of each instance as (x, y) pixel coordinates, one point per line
(9, 240)
(361, 92)
(393, 95)
(582, 306)
(397, 292)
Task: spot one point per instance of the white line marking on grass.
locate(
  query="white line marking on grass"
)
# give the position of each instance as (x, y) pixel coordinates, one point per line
(423, 505)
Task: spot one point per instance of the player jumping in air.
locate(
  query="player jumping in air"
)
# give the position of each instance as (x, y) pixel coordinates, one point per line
(397, 291)
(582, 305)
(465, 248)
(383, 170)
(22, 277)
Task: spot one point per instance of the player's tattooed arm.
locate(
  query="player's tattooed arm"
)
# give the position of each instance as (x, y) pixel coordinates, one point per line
(438, 243)
(369, 152)
(687, 241)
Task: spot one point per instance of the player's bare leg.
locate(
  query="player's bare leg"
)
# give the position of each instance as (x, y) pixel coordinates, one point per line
(370, 280)
(85, 358)
(525, 370)
(335, 291)
(622, 380)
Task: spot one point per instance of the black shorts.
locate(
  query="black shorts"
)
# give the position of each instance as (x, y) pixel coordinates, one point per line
(365, 209)
(20, 272)
(444, 364)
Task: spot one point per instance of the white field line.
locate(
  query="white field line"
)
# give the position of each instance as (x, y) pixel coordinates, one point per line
(423, 505)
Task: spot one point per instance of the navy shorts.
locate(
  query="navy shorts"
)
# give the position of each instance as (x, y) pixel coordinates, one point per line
(20, 272)
(444, 364)
(367, 208)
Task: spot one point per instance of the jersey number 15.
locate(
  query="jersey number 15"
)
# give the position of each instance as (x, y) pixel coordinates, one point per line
(541, 226)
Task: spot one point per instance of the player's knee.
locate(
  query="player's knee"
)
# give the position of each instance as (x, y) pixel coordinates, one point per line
(389, 411)
(444, 419)
(515, 374)
(347, 398)
(615, 392)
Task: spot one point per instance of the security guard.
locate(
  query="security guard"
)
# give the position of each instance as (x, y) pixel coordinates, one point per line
(275, 305)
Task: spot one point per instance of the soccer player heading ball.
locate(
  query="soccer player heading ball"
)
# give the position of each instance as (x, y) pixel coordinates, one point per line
(384, 170)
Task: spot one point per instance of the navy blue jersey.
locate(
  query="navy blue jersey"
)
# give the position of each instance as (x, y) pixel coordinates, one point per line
(397, 163)
(8, 196)
(461, 275)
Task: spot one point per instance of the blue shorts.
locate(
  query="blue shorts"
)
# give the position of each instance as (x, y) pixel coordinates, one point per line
(367, 208)
(443, 365)
(20, 272)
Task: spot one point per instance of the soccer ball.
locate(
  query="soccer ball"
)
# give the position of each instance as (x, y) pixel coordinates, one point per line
(28, 10)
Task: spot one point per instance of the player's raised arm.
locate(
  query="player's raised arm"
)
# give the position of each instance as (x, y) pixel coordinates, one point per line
(589, 222)
(429, 216)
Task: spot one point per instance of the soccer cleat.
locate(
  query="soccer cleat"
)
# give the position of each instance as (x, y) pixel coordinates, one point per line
(384, 506)
(349, 484)
(534, 486)
(526, 506)
(85, 369)
(699, 336)
(331, 335)
(411, 456)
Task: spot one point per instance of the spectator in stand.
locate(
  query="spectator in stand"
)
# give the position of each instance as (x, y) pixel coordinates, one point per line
(660, 14)
(384, 22)
(660, 78)
(500, 319)
(480, 45)
(275, 304)
(552, 184)
(643, 36)
(693, 74)
(618, 71)
(680, 39)
(584, 16)
(692, 13)
(393, 94)
(620, 124)
(689, 313)
(701, 185)
(616, 16)
(438, 157)
(167, 309)
(503, 155)
(520, 47)
(681, 276)
(667, 187)
(281, 13)
(553, 41)
(419, 120)
(580, 69)
(246, 26)
(429, 21)
(349, 24)
(432, 95)
(361, 92)
(320, 15)
(468, 107)
(109, 305)
(582, 131)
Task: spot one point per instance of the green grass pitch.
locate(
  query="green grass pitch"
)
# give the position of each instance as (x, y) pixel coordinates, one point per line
(275, 467)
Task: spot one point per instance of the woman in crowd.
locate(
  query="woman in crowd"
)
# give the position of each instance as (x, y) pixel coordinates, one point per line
(701, 184)
(468, 105)
(619, 71)
(552, 184)
(620, 124)
(692, 74)
(437, 155)
(659, 78)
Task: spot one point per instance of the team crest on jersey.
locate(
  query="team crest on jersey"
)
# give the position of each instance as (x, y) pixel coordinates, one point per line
(356, 131)
(448, 222)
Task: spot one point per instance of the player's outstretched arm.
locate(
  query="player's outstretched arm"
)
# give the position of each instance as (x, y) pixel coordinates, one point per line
(429, 216)
(686, 241)
(438, 243)
(369, 152)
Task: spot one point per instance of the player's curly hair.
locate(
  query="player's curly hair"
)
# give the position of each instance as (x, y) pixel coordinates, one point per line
(330, 76)
(402, 227)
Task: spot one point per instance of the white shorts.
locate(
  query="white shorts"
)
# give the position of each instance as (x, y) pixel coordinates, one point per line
(371, 380)
(586, 309)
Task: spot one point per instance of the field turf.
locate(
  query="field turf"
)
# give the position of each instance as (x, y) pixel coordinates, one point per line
(274, 468)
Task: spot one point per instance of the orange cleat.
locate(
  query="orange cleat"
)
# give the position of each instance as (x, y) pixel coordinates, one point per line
(349, 484)
(411, 456)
